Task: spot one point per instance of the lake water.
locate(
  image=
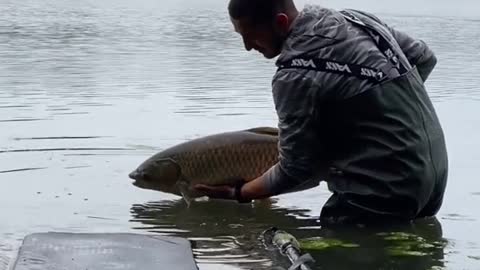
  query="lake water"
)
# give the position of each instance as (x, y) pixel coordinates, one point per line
(88, 90)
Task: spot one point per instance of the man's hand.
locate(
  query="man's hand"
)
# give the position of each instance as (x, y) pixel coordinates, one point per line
(217, 192)
(241, 191)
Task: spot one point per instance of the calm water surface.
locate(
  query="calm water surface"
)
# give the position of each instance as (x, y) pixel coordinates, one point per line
(89, 90)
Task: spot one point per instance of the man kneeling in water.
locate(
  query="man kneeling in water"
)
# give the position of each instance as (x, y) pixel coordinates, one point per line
(353, 110)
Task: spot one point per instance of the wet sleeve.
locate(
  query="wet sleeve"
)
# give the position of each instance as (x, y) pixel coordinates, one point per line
(294, 96)
(417, 51)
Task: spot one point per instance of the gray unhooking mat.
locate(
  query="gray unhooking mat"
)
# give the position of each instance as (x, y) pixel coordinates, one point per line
(104, 251)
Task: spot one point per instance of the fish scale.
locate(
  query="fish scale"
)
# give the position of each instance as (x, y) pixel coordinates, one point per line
(221, 163)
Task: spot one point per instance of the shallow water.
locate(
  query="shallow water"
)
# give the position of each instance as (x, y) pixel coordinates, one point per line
(89, 90)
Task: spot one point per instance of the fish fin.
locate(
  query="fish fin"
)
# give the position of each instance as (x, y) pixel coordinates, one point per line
(272, 131)
(183, 187)
(187, 194)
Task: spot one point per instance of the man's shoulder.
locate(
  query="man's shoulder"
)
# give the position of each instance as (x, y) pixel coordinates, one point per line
(315, 31)
(363, 13)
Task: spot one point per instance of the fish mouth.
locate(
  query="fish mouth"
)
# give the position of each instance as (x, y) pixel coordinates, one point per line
(139, 178)
(136, 176)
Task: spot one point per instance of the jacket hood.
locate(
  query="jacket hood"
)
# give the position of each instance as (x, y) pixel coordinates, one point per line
(315, 28)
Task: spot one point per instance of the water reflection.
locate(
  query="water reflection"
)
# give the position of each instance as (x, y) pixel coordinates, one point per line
(419, 245)
(222, 232)
(228, 233)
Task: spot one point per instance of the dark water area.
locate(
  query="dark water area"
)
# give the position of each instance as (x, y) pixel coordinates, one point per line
(89, 89)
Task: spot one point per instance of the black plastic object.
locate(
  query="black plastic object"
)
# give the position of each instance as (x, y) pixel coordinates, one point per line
(104, 251)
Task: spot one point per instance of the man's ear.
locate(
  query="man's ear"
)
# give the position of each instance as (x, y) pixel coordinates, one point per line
(282, 23)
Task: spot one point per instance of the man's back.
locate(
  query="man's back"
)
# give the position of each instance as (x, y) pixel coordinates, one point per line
(378, 141)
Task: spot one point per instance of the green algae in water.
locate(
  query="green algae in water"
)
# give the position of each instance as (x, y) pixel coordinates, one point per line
(436, 267)
(400, 236)
(319, 243)
(406, 244)
(405, 251)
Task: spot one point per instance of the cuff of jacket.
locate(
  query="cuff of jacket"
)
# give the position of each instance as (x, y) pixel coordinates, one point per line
(427, 67)
(426, 62)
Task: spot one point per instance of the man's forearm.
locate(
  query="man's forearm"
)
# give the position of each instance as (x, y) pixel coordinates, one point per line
(271, 183)
(255, 189)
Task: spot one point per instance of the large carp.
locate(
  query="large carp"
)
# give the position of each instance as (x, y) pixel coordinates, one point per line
(217, 159)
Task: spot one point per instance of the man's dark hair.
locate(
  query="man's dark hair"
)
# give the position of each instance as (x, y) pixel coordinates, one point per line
(257, 11)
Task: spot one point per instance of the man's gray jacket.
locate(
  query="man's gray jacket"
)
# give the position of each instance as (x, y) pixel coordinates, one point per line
(377, 144)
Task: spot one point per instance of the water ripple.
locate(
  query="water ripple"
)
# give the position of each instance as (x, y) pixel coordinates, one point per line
(58, 138)
(13, 106)
(22, 170)
(458, 217)
(22, 120)
(66, 149)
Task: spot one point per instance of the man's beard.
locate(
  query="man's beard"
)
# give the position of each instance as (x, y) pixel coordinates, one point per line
(277, 46)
